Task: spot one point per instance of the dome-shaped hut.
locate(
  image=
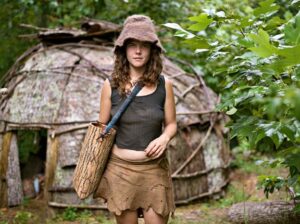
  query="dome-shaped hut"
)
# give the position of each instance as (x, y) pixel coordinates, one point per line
(53, 90)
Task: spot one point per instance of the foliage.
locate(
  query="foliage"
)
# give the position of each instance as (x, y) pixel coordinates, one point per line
(70, 214)
(31, 142)
(234, 195)
(270, 183)
(85, 216)
(54, 13)
(23, 217)
(255, 56)
(3, 222)
(27, 144)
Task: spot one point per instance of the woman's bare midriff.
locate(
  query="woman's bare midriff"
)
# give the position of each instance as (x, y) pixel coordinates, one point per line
(131, 155)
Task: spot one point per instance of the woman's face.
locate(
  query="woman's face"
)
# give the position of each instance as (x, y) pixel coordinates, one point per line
(138, 53)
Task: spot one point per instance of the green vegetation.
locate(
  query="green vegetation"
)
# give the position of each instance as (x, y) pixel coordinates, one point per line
(81, 216)
(254, 56)
(54, 13)
(23, 217)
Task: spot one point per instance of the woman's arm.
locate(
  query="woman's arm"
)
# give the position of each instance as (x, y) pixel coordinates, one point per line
(105, 103)
(157, 147)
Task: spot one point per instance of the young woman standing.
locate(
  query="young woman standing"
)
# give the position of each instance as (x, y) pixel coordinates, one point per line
(137, 180)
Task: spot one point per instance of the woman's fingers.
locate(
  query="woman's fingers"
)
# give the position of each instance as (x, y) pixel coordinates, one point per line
(153, 150)
(160, 152)
(149, 147)
(157, 152)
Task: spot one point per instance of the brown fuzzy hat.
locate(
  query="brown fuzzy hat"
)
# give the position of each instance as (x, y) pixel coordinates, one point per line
(138, 27)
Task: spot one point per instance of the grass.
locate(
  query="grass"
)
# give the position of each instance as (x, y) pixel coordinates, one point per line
(83, 217)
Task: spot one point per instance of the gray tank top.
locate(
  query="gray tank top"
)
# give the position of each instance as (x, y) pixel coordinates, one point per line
(142, 121)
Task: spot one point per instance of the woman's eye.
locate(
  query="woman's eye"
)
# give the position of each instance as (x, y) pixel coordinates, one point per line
(146, 45)
(131, 44)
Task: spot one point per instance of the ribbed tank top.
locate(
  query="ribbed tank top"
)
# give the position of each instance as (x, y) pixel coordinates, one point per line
(142, 121)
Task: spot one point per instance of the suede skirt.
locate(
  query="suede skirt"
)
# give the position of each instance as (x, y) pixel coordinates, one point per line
(127, 185)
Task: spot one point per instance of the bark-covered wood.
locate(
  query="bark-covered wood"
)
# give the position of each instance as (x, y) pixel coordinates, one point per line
(14, 182)
(69, 147)
(206, 172)
(71, 198)
(275, 212)
(93, 26)
(3, 168)
(51, 163)
(65, 205)
(92, 159)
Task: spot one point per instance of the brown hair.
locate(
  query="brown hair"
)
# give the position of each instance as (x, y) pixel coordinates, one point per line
(120, 74)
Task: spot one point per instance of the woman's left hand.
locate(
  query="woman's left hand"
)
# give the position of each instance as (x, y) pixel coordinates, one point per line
(157, 147)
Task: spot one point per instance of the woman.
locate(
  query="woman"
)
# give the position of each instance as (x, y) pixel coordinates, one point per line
(137, 181)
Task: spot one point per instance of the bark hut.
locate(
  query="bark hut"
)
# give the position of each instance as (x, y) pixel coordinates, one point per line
(275, 212)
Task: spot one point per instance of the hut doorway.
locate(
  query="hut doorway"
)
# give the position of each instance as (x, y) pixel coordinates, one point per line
(32, 148)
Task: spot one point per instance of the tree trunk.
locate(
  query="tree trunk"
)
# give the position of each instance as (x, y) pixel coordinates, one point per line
(276, 212)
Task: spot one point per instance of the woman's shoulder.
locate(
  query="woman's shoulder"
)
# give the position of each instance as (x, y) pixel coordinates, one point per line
(107, 83)
(165, 80)
(106, 88)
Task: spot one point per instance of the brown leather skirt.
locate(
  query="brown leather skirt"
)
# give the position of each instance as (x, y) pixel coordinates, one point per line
(127, 185)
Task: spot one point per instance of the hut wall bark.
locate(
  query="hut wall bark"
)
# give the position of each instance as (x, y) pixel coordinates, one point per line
(71, 199)
(214, 159)
(38, 95)
(69, 147)
(81, 100)
(14, 182)
(206, 173)
(185, 143)
(1, 175)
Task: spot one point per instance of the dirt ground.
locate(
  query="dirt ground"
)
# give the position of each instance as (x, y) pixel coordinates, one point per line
(206, 211)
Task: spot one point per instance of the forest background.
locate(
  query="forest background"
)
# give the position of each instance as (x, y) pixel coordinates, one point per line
(248, 51)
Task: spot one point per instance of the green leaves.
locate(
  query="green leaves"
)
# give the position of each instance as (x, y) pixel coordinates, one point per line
(262, 40)
(202, 22)
(292, 31)
(196, 43)
(266, 8)
(271, 183)
(180, 31)
(255, 130)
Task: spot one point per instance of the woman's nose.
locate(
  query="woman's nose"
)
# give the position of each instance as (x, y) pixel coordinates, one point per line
(138, 48)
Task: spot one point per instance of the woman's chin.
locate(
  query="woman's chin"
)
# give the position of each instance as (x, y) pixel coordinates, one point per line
(138, 65)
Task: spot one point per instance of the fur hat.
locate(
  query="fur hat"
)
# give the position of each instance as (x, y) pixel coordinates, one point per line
(138, 27)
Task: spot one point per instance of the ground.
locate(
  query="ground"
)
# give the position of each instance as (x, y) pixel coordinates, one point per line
(242, 187)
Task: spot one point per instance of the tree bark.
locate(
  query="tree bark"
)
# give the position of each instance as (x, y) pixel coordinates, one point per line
(92, 160)
(4, 151)
(275, 212)
(14, 182)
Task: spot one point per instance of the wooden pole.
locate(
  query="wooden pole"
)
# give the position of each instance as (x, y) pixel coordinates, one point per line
(3, 169)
